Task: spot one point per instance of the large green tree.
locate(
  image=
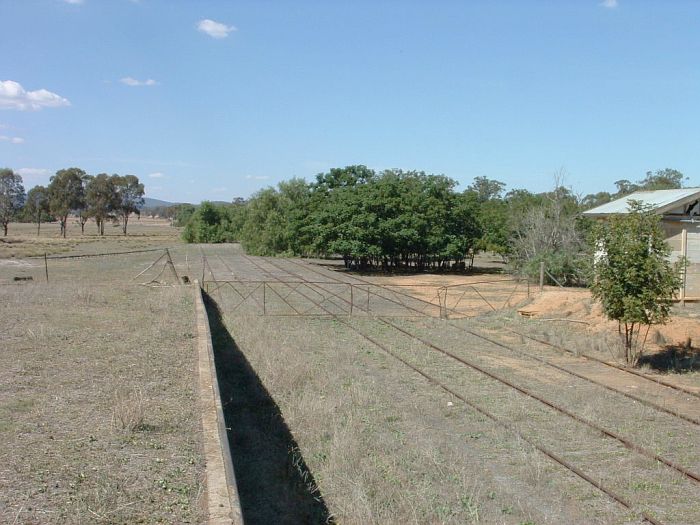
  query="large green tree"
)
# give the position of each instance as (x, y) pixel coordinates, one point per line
(101, 199)
(66, 194)
(11, 196)
(129, 196)
(37, 206)
(634, 279)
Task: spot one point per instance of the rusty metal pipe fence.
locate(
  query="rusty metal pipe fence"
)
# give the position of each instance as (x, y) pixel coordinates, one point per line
(307, 298)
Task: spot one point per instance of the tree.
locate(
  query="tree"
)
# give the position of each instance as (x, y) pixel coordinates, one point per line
(37, 206)
(82, 209)
(487, 189)
(130, 197)
(11, 196)
(546, 229)
(101, 199)
(66, 194)
(634, 279)
(666, 179)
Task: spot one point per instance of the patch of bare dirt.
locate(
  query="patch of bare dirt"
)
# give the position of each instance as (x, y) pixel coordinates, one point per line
(576, 305)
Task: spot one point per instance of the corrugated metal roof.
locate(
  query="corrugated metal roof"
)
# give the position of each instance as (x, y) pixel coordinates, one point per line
(659, 200)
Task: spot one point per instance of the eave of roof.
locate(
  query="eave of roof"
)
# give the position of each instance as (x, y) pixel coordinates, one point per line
(660, 201)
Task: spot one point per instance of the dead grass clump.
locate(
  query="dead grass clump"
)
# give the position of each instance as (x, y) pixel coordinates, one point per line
(129, 410)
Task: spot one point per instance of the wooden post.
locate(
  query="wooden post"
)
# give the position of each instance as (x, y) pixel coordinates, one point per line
(541, 276)
(46, 266)
(684, 254)
(442, 298)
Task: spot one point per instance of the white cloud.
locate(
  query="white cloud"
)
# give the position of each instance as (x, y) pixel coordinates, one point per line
(130, 81)
(214, 29)
(156, 175)
(14, 96)
(12, 140)
(609, 4)
(74, 2)
(35, 175)
(257, 177)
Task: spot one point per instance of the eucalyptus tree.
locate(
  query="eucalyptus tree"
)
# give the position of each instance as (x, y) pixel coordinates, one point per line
(101, 199)
(66, 194)
(129, 197)
(37, 205)
(12, 196)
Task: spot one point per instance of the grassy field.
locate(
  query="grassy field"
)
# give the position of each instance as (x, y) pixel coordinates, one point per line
(333, 418)
(22, 239)
(98, 414)
(371, 440)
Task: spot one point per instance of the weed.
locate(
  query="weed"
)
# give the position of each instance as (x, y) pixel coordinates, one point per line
(129, 410)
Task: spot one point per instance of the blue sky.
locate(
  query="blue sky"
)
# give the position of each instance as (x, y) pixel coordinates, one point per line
(217, 99)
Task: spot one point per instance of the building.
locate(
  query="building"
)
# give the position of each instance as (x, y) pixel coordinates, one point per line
(680, 217)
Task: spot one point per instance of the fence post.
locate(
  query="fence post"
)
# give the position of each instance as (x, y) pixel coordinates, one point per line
(442, 295)
(46, 266)
(684, 254)
(541, 276)
(352, 298)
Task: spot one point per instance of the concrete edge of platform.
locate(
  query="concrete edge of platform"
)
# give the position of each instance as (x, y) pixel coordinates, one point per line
(222, 502)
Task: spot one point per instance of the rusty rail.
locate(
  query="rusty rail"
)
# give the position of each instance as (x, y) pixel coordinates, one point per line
(512, 428)
(609, 433)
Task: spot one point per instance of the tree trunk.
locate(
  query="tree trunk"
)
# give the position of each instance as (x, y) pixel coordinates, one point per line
(4, 225)
(38, 226)
(126, 220)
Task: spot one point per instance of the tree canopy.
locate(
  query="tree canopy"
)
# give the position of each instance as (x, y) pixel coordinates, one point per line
(12, 196)
(633, 278)
(66, 194)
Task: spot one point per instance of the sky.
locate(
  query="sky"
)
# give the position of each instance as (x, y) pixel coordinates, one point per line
(218, 99)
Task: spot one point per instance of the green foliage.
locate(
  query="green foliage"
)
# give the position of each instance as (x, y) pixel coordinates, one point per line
(633, 278)
(666, 179)
(182, 213)
(546, 228)
(102, 199)
(396, 219)
(129, 197)
(12, 196)
(37, 206)
(66, 194)
(211, 223)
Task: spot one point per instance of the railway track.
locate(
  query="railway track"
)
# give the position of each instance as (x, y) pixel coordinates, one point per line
(561, 349)
(503, 423)
(695, 477)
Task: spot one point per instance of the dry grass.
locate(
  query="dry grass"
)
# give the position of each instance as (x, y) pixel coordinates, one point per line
(129, 410)
(23, 241)
(384, 446)
(98, 415)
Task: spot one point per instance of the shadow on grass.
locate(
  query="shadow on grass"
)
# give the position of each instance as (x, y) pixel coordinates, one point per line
(383, 272)
(274, 483)
(673, 358)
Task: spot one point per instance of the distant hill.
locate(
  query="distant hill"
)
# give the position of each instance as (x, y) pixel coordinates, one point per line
(149, 203)
(155, 203)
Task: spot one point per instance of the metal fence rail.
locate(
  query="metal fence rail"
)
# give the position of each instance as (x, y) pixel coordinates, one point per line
(307, 298)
